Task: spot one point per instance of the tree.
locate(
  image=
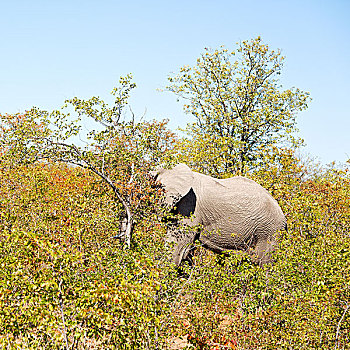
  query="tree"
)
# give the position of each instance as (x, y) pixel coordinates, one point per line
(119, 151)
(239, 108)
(59, 218)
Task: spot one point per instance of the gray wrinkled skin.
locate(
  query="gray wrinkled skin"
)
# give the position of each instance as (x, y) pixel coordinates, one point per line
(229, 214)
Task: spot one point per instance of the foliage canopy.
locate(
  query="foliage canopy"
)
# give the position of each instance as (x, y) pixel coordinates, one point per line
(118, 150)
(240, 110)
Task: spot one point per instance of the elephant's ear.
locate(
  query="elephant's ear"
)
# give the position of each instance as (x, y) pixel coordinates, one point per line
(177, 182)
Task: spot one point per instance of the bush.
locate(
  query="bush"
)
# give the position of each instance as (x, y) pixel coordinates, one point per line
(65, 283)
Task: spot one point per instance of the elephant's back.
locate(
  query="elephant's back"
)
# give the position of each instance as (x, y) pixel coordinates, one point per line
(244, 186)
(240, 181)
(242, 205)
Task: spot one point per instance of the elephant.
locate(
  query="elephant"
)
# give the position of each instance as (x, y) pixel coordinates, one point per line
(223, 214)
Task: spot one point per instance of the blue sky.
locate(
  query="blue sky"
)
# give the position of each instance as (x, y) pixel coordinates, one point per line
(53, 50)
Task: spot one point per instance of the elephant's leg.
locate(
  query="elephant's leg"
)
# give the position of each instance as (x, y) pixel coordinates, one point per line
(263, 249)
(190, 255)
(183, 239)
(183, 253)
(184, 250)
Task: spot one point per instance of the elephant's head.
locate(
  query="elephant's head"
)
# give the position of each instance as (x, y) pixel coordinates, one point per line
(177, 182)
